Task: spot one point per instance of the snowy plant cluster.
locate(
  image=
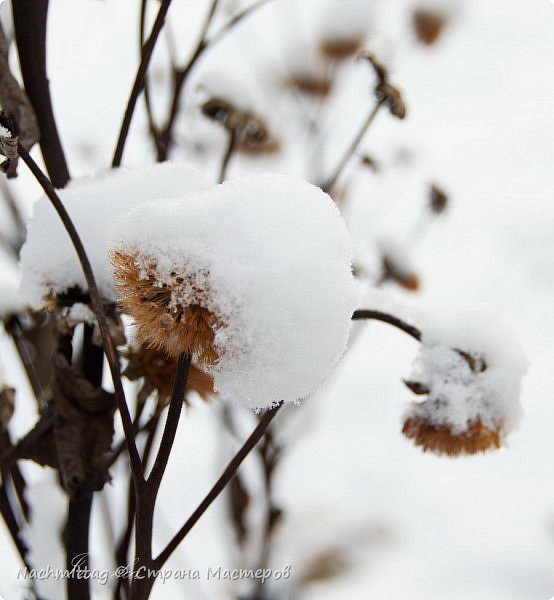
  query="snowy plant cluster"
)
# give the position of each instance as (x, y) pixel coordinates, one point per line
(470, 374)
(266, 200)
(270, 258)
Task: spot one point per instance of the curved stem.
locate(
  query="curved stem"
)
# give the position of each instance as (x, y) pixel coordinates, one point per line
(375, 315)
(30, 20)
(138, 85)
(98, 308)
(330, 183)
(219, 486)
(231, 145)
(203, 44)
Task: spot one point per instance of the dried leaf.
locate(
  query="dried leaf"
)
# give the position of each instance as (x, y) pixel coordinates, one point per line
(239, 499)
(83, 429)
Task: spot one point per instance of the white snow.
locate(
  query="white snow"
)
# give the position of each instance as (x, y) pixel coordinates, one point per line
(276, 257)
(458, 394)
(49, 264)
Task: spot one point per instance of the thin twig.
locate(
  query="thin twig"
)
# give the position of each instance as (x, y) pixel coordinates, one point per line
(147, 51)
(30, 20)
(172, 421)
(98, 308)
(147, 493)
(180, 77)
(234, 20)
(179, 81)
(231, 145)
(329, 184)
(219, 486)
(13, 326)
(376, 315)
(12, 526)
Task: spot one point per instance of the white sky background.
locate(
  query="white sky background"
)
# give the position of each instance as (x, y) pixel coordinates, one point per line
(481, 123)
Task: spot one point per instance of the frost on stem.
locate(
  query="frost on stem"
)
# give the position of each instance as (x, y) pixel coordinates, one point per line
(471, 376)
(48, 262)
(253, 277)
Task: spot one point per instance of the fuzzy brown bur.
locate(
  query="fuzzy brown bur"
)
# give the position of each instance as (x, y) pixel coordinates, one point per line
(441, 440)
(158, 370)
(163, 324)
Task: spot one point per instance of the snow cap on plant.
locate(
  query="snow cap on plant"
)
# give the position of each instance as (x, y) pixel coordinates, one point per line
(49, 265)
(252, 277)
(470, 375)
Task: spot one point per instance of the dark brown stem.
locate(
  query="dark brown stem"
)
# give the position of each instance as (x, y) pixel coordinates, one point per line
(13, 327)
(148, 492)
(330, 183)
(180, 77)
(231, 145)
(12, 525)
(98, 308)
(122, 551)
(220, 484)
(76, 537)
(30, 18)
(138, 85)
(375, 315)
(154, 133)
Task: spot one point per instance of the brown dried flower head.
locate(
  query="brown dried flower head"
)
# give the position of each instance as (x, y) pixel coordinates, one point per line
(311, 84)
(440, 439)
(250, 130)
(394, 271)
(158, 370)
(438, 200)
(340, 48)
(428, 25)
(165, 321)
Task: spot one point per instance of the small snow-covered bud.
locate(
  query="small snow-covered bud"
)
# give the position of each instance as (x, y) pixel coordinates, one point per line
(169, 309)
(472, 395)
(49, 265)
(252, 277)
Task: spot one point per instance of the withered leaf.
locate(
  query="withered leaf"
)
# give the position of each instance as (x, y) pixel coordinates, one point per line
(83, 429)
(239, 500)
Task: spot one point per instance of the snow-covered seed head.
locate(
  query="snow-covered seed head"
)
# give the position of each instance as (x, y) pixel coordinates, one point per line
(441, 439)
(166, 321)
(252, 277)
(470, 397)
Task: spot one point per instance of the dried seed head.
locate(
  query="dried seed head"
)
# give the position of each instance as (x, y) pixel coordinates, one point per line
(337, 48)
(158, 370)
(438, 200)
(393, 270)
(381, 71)
(391, 96)
(311, 84)
(171, 316)
(440, 439)
(250, 130)
(428, 25)
(7, 406)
